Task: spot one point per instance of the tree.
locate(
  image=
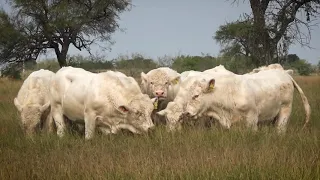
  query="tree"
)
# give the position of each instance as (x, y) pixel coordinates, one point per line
(234, 38)
(292, 58)
(57, 24)
(11, 40)
(275, 24)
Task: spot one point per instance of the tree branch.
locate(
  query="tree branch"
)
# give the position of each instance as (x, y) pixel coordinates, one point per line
(285, 21)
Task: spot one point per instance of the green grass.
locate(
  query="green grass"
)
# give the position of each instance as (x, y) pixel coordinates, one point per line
(194, 153)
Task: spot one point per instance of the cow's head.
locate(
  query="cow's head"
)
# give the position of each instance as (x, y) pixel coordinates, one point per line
(173, 113)
(30, 115)
(196, 104)
(157, 83)
(138, 113)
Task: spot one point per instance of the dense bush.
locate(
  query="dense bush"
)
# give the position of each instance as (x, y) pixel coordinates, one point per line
(238, 65)
(301, 66)
(136, 64)
(197, 63)
(89, 63)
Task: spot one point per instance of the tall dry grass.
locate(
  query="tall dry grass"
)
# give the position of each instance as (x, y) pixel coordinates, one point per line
(194, 153)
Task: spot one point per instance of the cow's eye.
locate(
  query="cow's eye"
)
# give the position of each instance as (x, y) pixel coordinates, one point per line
(167, 83)
(151, 82)
(195, 96)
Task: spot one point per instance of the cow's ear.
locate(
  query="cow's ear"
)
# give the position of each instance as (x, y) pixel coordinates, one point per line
(144, 77)
(123, 109)
(289, 71)
(175, 80)
(17, 104)
(211, 84)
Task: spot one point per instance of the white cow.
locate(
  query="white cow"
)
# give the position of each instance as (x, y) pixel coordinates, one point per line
(174, 110)
(257, 97)
(162, 83)
(109, 100)
(33, 102)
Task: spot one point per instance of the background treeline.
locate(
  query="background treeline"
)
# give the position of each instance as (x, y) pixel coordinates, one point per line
(134, 64)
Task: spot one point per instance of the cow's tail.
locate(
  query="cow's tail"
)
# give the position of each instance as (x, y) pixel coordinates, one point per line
(305, 102)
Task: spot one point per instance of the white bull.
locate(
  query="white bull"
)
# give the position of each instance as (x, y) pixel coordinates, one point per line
(174, 110)
(254, 98)
(161, 83)
(109, 100)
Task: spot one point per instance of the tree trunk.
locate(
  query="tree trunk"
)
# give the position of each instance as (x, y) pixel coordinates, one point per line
(62, 61)
(62, 56)
(262, 44)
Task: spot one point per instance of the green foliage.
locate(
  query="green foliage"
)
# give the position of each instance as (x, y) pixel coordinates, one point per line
(238, 64)
(234, 38)
(197, 63)
(135, 64)
(89, 64)
(291, 58)
(12, 71)
(12, 40)
(302, 66)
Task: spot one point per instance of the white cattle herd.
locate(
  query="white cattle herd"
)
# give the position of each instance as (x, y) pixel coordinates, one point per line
(111, 101)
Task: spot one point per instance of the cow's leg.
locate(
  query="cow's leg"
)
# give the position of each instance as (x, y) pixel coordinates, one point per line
(283, 118)
(222, 119)
(49, 123)
(57, 115)
(90, 123)
(252, 120)
(225, 122)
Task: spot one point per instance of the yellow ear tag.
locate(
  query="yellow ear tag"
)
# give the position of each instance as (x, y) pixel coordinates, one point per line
(211, 86)
(155, 104)
(175, 81)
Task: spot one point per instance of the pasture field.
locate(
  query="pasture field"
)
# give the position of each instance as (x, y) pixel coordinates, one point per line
(194, 153)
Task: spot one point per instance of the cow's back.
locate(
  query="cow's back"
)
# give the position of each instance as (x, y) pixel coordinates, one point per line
(69, 89)
(118, 87)
(35, 88)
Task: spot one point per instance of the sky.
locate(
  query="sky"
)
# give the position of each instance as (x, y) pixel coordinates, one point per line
(156, 28)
